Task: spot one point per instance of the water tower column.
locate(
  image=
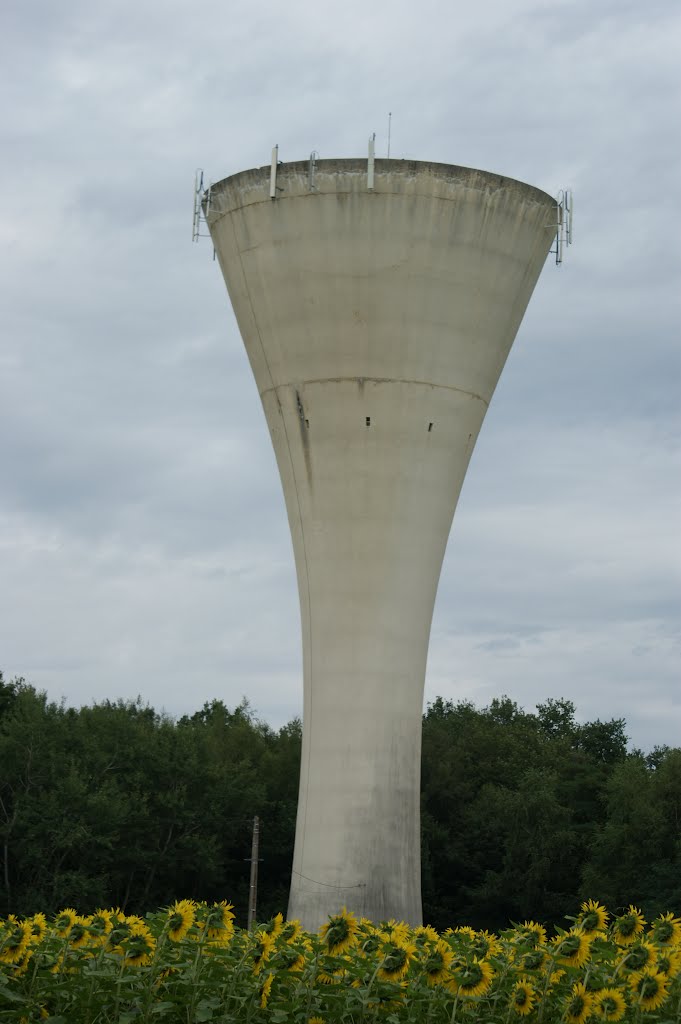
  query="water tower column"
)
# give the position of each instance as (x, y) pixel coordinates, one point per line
(377, 321)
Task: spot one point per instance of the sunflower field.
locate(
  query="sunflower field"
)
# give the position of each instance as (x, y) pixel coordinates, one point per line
(190, 963)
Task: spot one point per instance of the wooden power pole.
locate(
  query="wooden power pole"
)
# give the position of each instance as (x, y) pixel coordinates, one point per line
(253, 891)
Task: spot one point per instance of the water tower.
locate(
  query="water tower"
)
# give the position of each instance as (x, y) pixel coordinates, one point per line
(377, 300)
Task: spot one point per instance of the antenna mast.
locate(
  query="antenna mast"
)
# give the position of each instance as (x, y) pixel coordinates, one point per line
(565, 204)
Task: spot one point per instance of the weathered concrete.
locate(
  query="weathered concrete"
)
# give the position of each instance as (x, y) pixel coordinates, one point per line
(377, 325)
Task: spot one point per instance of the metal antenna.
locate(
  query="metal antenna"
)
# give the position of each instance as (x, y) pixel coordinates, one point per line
(198, 195)
(273, 172)
(390, 117)
(370, 162)
(314, 156)
(202, 200)
(564, 231)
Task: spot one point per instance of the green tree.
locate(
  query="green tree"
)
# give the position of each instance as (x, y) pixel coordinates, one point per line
(636, 854)
(523, 813)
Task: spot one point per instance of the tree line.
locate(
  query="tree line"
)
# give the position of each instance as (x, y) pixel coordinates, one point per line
(524, 814)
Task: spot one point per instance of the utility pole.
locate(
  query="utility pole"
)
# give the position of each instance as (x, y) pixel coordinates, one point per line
(253, 891)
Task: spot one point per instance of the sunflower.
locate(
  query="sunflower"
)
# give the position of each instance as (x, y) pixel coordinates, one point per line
(396, 957)
(395, 931)
(265, 991)
(14, 942)
(291, 958)
(78, 933)
(666, 930)
(139, 945)
(593, 918)
(58, 964)
(22, 966)
(463, 930)
(578, 1004)
(423, 933)
(330, 977)
(38, 928)
(627, 926)
(640, 955)
(316, 1020)
(611, 1004)
(553, 979)
(669, 962)
(131, 919)
(64, 921)
(262, 948)
(436, 962)
(532, 933)
(523, 997)
(339, 934)
(368, 944)
(573, 948)
(472, 978)
(218, 921)
(486, 945)
(274, 926)
(116, 916)
(650, 988)
(532, 960)
(291, 931)
(121, 929)
(181, 917)
(100, 924)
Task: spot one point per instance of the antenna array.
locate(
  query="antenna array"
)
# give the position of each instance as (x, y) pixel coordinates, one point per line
(564, 209)
(200, 208)
(565, 202)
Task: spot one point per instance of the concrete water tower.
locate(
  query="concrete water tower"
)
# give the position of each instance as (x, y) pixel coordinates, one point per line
(377, 300)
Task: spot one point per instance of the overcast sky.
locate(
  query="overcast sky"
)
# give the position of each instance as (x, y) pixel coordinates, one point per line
(144, 546)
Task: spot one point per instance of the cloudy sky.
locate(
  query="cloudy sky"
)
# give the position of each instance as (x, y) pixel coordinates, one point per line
(144, 547)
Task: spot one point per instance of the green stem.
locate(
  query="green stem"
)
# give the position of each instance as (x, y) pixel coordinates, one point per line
(91, 991)
(153, 971)
(620, 966)
(311, 986)
(227, 994)
(118, 989)
(547, 981)
(365, 1001)
(195, 974)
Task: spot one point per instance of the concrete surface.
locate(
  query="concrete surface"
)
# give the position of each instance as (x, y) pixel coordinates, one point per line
(377, 325)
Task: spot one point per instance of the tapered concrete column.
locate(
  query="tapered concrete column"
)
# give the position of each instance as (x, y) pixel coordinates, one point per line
(377, 324)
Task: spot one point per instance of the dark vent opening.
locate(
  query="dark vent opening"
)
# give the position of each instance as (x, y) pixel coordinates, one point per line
(368, 421)
(430, 427)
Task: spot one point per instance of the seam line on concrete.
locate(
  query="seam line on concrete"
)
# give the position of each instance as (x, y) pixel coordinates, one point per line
(379, 380)
(327, 885)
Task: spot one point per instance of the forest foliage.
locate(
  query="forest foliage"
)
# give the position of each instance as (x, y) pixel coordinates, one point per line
(524, 814)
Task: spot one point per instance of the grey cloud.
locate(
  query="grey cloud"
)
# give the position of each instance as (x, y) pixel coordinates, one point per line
(144, 543)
